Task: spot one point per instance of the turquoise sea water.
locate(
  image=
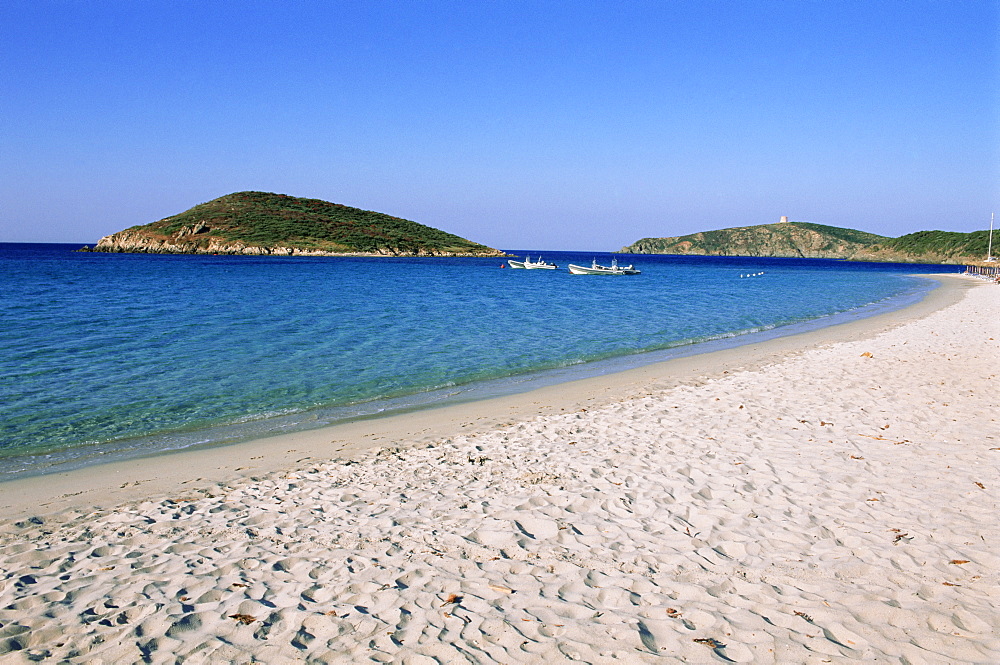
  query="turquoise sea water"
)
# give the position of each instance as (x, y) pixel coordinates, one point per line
(110, 354)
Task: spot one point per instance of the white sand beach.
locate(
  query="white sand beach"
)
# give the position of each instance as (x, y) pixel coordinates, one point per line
(828, 497)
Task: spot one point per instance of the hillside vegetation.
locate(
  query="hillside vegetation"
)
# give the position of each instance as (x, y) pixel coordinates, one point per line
(807, 240)
(264, 223)
(942, 244)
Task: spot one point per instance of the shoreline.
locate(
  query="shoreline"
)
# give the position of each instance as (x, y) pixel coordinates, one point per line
(827, 497)
(149, 475)
(70, 459)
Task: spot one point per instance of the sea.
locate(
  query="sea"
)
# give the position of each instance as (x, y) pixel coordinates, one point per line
(110, 356)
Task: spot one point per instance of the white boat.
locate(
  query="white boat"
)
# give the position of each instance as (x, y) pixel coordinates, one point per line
(594, 269)
(531, 265)
(539, 264)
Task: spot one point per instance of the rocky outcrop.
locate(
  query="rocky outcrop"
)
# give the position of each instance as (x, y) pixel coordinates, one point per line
(265, 224)
(131, 241)
(816, 241)
(779, 240)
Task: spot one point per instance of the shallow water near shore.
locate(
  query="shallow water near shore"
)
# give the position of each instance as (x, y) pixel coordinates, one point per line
(110, 355)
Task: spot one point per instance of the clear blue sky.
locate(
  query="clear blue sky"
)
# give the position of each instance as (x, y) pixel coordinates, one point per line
(548, 125)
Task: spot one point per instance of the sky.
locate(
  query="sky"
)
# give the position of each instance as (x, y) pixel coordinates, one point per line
(518, 124)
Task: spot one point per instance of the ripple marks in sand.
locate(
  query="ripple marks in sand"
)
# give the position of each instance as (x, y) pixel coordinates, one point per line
(769, 516)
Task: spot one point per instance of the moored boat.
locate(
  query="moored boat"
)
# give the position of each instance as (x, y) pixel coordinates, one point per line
(539, 264)
(595, 269)
(532, 265)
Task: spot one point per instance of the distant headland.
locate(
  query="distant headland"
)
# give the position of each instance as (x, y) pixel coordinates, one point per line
(261, 223)
(807, 240)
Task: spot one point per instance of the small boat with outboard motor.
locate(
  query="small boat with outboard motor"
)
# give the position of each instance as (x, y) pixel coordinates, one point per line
(528, 264)
(596, 269)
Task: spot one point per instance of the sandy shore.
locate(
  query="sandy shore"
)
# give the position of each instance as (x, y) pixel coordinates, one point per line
(829, 497)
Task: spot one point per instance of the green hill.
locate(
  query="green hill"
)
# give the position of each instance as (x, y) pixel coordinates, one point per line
(807, 240)
(937, 246)
(264, 223)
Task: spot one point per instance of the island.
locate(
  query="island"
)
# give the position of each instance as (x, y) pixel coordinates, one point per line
(817, 241)
(262, 223)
